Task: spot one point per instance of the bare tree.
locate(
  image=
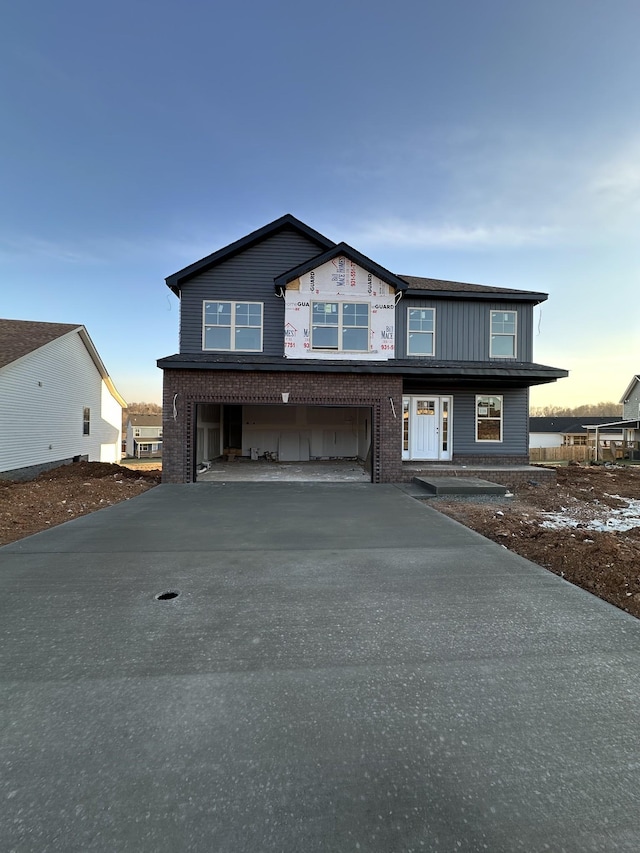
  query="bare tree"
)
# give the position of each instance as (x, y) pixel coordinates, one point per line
(606, 408)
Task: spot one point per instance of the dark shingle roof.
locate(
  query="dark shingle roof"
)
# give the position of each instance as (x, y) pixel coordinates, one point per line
(20, 337)
(569, 424)
(438, 284)
(154, 420)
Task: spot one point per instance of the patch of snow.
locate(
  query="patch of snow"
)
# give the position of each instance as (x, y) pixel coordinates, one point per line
(600, 517)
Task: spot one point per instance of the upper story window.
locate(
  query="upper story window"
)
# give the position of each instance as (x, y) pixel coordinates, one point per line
(503, 334)
(136, 431)
(232, 326)
(86, 421)
(488, 418)
(340, 326)
(421, 326)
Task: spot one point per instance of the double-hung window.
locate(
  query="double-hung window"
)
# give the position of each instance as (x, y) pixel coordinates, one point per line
(503, 334)
(340, 326)
(421, 324)
(86, 421)
(233, 326)
(488, 418)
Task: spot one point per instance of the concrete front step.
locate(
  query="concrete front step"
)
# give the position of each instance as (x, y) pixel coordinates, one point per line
(468, 486)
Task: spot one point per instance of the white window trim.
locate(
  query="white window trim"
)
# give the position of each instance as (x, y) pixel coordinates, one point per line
(340, 327)
(493, 334)
(232, 326)
(490, 440)
(421, 308)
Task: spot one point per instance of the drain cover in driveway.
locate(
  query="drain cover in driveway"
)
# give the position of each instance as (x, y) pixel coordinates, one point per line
(168, 595)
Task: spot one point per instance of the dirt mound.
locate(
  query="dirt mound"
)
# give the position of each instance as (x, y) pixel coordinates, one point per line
(93, 471)
(64, 493)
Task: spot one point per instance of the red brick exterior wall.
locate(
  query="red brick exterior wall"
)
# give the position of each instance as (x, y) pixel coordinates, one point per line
(305, 389)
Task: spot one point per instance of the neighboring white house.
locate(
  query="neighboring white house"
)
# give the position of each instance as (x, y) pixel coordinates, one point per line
(144, 435)
(57, 401)
(631, 400)
(571, 431)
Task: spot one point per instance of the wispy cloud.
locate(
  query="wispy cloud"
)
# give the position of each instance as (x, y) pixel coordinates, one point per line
(506, 189)
(409, 234)
(29, 246)
(617, 180)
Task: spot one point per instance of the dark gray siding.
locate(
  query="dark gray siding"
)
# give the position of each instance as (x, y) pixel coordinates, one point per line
(247, 276)
(515, 424)
(463, 327)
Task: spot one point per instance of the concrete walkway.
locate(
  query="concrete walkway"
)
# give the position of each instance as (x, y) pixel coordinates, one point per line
(343, 669)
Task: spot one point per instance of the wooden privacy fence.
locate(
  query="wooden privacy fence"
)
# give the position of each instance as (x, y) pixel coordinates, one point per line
(566, 453)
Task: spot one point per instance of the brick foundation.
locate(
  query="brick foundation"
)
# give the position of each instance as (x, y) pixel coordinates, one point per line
(190, 387)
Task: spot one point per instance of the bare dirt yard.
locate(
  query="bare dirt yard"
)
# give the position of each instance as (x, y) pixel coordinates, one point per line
(65, 493)
(585, 528)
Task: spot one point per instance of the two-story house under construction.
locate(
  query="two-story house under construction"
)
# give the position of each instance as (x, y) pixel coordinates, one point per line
(300, 348)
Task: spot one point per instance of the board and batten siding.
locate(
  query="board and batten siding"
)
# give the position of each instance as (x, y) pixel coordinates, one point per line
(463, 327)
(515, 424)
(42, 397)
(246, 277)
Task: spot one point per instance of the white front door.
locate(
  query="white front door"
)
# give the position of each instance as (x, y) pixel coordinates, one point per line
(426, 424)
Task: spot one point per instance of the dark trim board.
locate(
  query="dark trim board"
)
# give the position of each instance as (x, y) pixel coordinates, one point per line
(517, 375)
(342, 249)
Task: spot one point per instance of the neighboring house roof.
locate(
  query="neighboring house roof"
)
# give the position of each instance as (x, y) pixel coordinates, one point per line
(140, 420)
(287, 221)
(630, 388)
(342, 250)
(570, 425)
(19, 338)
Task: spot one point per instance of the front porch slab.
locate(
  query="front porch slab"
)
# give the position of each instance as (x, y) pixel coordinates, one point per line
(511, 476)
(467, 486)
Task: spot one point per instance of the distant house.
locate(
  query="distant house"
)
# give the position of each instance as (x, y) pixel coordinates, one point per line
(57, 401)
(572, 431)
(144, 435)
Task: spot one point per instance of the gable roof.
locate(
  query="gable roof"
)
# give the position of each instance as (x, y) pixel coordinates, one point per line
(630, 388)
(21, 337)
(569, 424)
(342, 250)
(287, 221)
(482, 291)
(410, 284)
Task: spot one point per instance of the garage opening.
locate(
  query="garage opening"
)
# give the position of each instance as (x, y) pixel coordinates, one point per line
(283, 442)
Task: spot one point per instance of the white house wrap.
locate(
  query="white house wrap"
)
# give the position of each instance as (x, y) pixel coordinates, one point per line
(337, 283)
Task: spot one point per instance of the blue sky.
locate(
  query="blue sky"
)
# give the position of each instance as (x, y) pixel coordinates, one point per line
(496, 142)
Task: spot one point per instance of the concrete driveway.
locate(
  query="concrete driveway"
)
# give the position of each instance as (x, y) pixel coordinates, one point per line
(343, 670)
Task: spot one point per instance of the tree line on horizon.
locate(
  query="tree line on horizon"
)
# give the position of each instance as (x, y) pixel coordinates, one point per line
(605, 408)
(143, 409)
